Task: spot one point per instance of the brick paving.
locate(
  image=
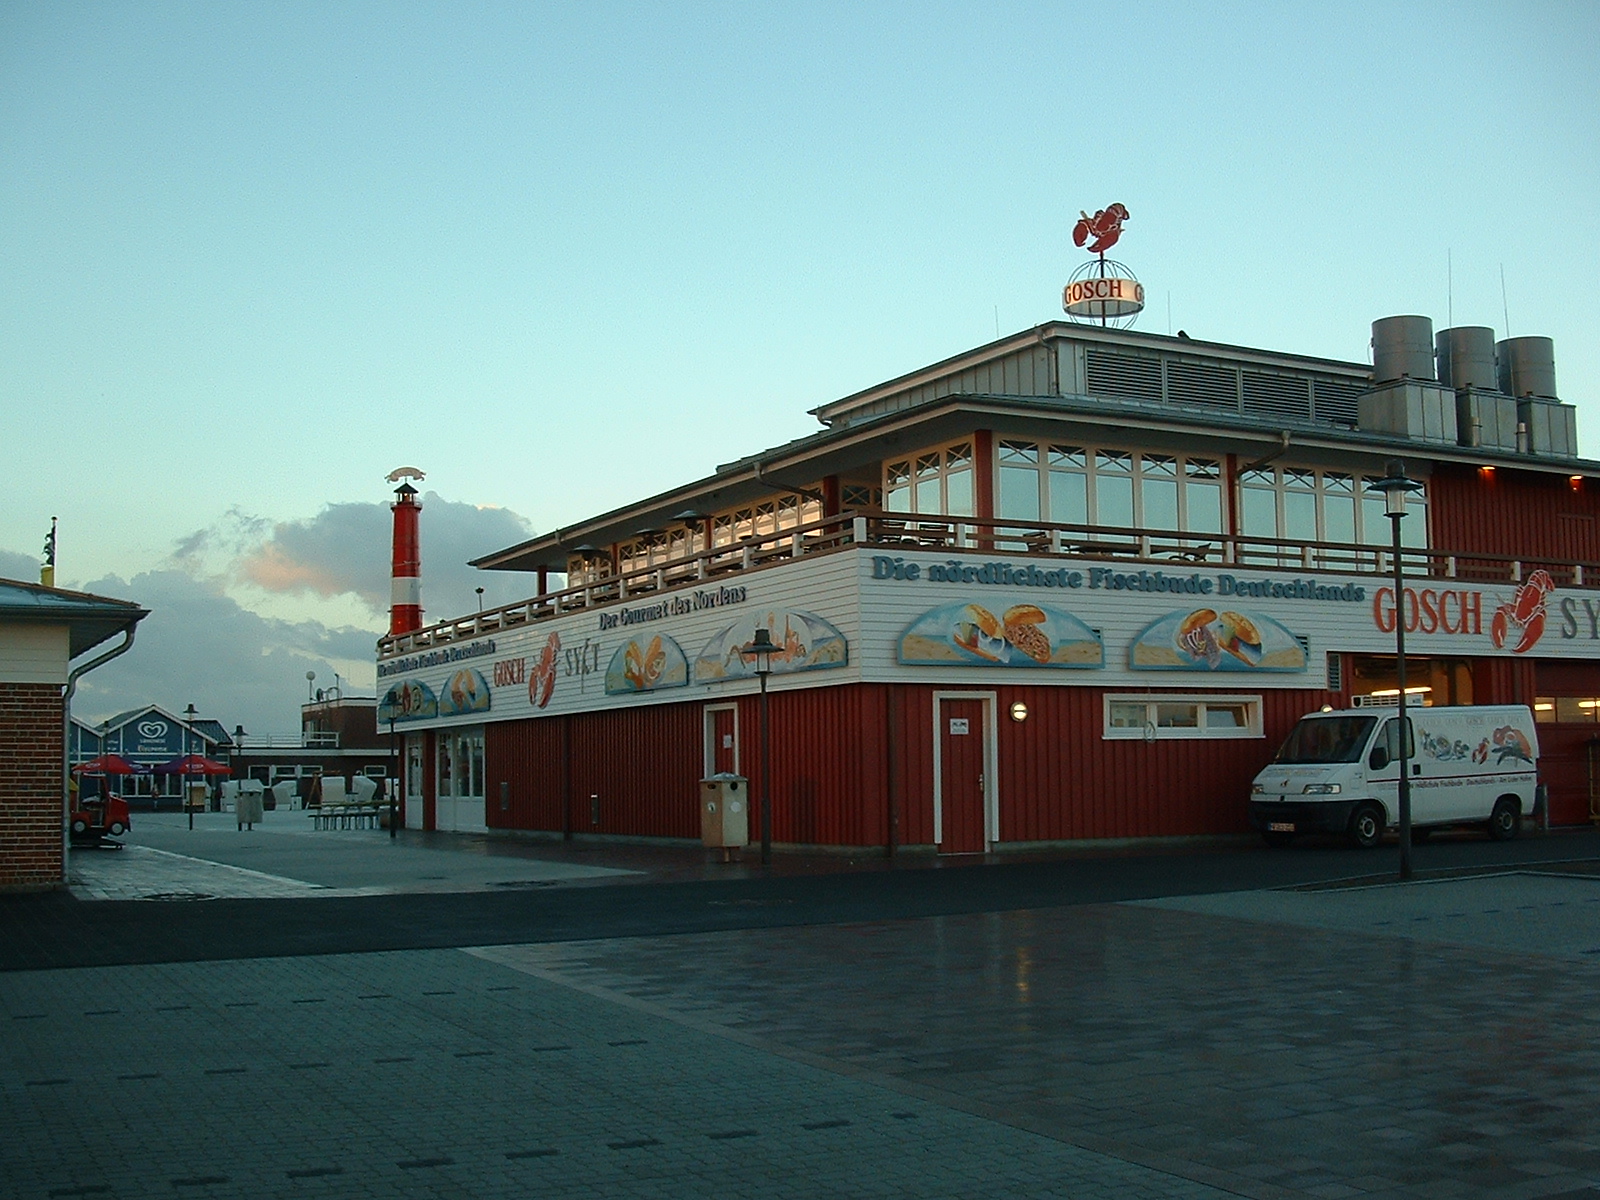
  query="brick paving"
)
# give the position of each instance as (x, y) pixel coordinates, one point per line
(1420, 1042)
(441, 1073)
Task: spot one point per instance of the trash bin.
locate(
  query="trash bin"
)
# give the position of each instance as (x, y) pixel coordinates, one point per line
(725, 811)
(247, 805)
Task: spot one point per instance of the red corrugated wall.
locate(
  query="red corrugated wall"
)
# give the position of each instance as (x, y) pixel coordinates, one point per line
(1061, 779)
(1515, 513)
(836, 782)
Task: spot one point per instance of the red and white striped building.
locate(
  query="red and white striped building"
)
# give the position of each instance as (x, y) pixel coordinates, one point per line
(1074, 584)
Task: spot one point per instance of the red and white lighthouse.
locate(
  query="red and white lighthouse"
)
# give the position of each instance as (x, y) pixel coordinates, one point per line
(405, 583)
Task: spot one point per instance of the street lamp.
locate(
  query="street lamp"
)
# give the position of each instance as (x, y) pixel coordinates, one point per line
(762, 649)
(233, 762)
(189, 715)
(1394, 487)
(394, 776)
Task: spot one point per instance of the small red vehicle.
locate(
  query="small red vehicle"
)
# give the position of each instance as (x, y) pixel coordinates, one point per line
(99, 817)
(102, 815)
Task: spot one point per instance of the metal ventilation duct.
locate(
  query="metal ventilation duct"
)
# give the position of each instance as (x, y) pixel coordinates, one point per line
(1402, 348)
(1465, 357)
(1527, 367)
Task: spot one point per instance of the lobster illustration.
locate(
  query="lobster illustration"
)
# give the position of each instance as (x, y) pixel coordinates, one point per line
(1105, 227)
(1525, 615)
(542, 679)
(1510, 742)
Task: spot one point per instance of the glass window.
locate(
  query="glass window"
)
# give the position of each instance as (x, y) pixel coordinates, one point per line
(1069, 497)
(1300, 516)
(1575, 710)
(1177, 716)
(1113, 495)
(1158, 717)
(1069, 458)
(935, 482)
(1202, 497)
(897, 487)
(1226, 716)
(1019, 493)
(1158, 491)
(1125, 715)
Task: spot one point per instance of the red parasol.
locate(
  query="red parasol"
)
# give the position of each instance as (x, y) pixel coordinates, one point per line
(193, 764)
(107, 764)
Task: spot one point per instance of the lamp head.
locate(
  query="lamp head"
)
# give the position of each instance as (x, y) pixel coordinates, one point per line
(1394, 487)
(762, 648)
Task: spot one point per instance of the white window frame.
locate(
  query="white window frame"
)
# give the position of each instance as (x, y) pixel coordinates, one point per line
(1137, 473)
(955, 458)
(1151, 732)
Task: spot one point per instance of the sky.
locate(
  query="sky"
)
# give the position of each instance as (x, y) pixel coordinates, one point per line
(561, 257)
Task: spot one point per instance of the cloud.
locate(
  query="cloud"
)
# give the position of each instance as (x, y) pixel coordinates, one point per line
(22, 567)
(345, 549)
(199, 646)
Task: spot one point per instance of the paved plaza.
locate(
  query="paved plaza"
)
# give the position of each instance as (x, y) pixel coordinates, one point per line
(1423, 1041)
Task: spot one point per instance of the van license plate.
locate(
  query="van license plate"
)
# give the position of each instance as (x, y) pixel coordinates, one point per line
(1280, 827)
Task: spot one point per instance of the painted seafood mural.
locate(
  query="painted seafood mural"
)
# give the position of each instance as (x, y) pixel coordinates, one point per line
(408, 701)
(467, 692)
(805, 641)
(1204, 639)
(1020, 635)
(646, 664)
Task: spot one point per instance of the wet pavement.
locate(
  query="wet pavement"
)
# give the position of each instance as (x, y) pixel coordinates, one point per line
(1308, 1036)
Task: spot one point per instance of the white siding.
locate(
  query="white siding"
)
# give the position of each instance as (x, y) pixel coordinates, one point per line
(34, 653)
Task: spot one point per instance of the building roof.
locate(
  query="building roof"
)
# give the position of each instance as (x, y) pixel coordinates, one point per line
(203, 727)
(92, 619)
(1057, 376)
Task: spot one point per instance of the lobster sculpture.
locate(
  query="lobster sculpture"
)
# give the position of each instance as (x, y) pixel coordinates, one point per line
(1524, 615)
(1105, 227)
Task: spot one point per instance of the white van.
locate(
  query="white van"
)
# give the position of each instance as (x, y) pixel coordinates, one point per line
(1338, 772)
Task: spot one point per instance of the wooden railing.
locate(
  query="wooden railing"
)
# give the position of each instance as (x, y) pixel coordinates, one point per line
(979, 535)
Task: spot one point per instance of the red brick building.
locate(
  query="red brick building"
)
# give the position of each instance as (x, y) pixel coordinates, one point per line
(45, 634)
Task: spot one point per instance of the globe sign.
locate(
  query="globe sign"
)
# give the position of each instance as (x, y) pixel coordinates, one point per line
(1105, 292)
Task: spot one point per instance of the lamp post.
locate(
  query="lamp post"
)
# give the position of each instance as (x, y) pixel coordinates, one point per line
(394, 776)
(189, 715)
(233, 756)
(762, 649)
(1394, 487)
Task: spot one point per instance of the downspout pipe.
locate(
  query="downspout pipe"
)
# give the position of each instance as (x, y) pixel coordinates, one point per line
(1283, 448)
(66, 735)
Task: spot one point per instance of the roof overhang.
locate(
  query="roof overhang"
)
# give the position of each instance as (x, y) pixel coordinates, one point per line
(90, 619)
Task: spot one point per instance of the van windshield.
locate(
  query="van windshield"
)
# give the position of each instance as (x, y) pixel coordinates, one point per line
(1327, 740)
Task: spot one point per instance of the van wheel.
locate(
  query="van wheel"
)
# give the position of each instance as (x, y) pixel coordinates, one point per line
(1505, 820)
(1277, 838)
(1366, 826)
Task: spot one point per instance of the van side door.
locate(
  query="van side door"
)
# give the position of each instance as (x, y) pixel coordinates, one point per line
(1383, 767)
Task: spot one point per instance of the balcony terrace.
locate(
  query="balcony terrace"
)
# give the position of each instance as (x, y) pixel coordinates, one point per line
(961, 535)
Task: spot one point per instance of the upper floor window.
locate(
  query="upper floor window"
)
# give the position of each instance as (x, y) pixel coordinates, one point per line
(938, 481)
(1077, 485)
(1306, 504)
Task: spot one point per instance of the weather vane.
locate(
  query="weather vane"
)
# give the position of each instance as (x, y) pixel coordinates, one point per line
(1102, 290)
(1105, 227)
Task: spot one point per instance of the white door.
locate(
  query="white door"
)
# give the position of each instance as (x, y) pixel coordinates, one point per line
(460, 803)
(413, 789)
